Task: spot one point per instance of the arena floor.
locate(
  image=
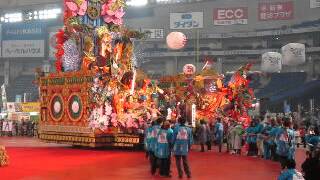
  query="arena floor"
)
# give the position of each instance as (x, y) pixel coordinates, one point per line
(34, 160)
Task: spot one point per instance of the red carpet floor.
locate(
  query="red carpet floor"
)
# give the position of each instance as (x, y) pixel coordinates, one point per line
(59, 163)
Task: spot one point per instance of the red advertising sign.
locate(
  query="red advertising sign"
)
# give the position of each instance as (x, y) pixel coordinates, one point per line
(230, 16)
(275, 11)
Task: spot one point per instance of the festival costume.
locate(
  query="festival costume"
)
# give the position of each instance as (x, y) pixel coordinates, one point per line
(183, 139)
(258, 130)
(218, 132)
(290, 174)
(285, 145)
(152, 143)
(162, 151)
(252, 141)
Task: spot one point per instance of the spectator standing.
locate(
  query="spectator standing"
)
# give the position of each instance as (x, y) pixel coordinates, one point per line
(310, 167)
(203, 134)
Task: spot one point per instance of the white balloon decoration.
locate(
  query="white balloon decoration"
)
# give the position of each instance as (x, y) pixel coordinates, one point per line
(176, 40)
(271, 62)
(293, 54)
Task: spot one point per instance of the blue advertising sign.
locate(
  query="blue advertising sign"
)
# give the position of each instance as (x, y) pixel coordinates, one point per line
(191, 20)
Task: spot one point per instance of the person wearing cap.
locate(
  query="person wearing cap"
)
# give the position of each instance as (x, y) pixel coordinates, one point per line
(163, 148)
(182, 141)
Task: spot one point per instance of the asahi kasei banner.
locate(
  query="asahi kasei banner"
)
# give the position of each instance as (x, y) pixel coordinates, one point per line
(230, 16)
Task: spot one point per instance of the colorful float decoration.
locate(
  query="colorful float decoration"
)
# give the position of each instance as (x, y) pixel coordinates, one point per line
(211, 96)
(96, 97)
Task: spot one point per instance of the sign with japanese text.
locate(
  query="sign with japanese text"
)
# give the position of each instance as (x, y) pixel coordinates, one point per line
(314, 3)
(30, 107)
(23, 31)
(154, 33)
(191, 20)
(276, 11)
(230, 16)
(23, 48)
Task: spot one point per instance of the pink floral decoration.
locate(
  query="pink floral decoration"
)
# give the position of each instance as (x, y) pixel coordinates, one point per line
(77, 10)
(110, 16)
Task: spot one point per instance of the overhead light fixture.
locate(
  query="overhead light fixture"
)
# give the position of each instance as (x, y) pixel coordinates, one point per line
(137, 2)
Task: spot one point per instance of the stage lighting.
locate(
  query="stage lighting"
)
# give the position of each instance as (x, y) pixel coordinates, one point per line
(137, 2)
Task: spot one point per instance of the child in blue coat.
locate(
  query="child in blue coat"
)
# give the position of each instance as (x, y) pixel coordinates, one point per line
(183, 139)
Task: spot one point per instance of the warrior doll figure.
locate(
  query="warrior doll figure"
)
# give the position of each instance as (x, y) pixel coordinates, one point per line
(89, 57)
(105, 47)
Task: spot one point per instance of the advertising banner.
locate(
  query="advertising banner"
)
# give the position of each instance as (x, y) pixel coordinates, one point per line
(23, 31)
(0, 39)
(230, 16)
(13, 107)
(23, 48)
(276, 11)
(314, 3)
(154, 33)
(191, 20)
(30, 107)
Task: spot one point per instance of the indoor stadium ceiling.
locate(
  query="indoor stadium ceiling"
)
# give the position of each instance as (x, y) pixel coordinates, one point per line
(18, 3)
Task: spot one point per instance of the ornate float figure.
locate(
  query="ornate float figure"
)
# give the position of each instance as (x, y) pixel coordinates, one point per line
(89, 59)
(4, 158)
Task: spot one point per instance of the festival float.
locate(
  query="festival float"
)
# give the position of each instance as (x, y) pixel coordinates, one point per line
(96, 97)
(206, 96)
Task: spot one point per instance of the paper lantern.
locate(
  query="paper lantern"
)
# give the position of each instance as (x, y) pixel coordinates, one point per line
(271, 62)
(293, 54)
(189, 69)
(176, 40)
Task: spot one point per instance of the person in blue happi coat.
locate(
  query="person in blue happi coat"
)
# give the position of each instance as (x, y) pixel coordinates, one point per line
(147, 142)
(152, 144)
(182, 141)
(259, 128)
(314, 139)
(163, 148)
(218, 133)
(251, 138)
(267, 140)
(290, 173)
(285, 140)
